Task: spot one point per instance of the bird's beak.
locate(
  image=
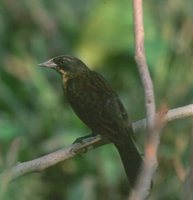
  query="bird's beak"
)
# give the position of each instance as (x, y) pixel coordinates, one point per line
(48, 63)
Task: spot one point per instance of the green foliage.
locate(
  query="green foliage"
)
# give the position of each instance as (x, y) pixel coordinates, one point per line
(34, 109)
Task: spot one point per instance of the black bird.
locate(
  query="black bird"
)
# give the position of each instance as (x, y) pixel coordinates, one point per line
(99, 107)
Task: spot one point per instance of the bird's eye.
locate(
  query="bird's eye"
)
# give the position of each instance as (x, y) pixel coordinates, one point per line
(59, 61)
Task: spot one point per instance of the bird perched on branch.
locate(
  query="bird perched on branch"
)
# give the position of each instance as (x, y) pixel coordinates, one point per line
(99, 107)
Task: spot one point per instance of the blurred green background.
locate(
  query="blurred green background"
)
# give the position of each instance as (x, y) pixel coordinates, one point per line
(36, 119)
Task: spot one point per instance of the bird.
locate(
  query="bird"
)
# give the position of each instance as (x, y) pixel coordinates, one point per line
(98, 106)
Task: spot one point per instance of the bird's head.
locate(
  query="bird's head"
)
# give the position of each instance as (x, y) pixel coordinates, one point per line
(65, 65)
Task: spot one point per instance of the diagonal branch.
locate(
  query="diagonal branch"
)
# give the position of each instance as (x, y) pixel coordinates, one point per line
(40, 164)
(61, 155)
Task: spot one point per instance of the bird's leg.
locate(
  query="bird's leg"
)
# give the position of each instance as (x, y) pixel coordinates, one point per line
(88, 138)
(101, 142)
(81, 139)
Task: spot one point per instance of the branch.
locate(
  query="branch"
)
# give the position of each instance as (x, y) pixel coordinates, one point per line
(141, 190)
(173, 114)
(51, 159)
(142, 63)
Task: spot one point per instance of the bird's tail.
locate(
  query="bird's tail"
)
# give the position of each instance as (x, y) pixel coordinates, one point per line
(131, 159)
